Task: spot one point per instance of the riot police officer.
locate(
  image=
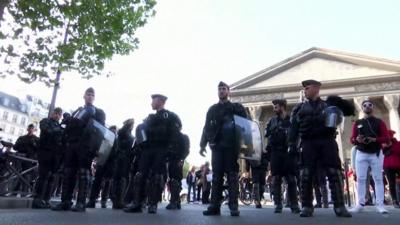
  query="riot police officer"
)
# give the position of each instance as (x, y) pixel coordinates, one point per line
(49, 157)
(27, 145)
(176, 159)
(219, 133)
(134, 158)
(122, 162)
(162, 130)
(317, 145)
(282, 166)
(80, 152)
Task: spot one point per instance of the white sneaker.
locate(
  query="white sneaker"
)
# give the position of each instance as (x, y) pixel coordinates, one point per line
(381, 209)
(357, 209)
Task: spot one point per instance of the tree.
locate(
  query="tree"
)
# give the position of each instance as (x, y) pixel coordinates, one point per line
(41, 37)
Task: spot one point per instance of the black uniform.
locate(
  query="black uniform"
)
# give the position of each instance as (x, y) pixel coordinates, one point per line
(317, 145)
(102, 181)
(162, 131)
(282, 166)
(28, 146)
(258, 174)
(219, 133)
(175, 165)
(123, 160)
(49, 157)
(79, 155)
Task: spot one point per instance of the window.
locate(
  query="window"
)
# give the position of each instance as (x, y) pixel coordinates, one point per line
(5, 115)
(3, 127)
(15, 118)
(23, 121)
(20, 132)
(12, 130)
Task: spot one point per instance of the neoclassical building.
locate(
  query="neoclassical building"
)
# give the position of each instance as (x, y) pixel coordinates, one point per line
(352, 76)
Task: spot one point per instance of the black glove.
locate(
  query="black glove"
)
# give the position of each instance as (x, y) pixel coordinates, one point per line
(203, 151)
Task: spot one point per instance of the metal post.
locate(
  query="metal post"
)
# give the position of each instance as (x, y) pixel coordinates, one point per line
(58, 76)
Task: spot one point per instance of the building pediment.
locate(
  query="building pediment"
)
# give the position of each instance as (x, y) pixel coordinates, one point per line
(319, 64)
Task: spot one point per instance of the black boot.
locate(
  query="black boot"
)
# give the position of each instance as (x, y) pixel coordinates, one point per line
(119, 190)
(256, 195)
(216, 192)
(136, 205)
(292, 194)
(175, 189)
(39, 204)
(336, 186)
(277, 188)
(105, 193)
(154, 193)
(233, 192)
(49, 190)
(68, 185)
(84, 176)
(306, 193)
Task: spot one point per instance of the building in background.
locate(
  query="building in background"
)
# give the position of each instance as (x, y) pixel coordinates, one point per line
(351, 76)
(37, 109)
(16, 113)
(14, 117)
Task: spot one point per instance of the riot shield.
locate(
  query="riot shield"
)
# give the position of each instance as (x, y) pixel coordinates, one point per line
(101, 140)
(249, 139)
(141, 133)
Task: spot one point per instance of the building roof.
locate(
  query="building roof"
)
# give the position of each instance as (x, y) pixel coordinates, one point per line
(12, 102)
(380, 65)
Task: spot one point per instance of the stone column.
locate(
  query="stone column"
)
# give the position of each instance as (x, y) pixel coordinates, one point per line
(357, 104)
(255, 112)
(392, 104)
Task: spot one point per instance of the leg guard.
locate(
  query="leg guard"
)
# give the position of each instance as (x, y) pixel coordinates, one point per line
(306, 193)
(277, 188)
(175, 189)
(292, 193)
(336, 186)
(233, 191)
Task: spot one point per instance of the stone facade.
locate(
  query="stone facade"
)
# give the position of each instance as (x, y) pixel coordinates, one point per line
(351, 76)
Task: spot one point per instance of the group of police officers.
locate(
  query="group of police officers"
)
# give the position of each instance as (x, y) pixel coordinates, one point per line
(139, 167)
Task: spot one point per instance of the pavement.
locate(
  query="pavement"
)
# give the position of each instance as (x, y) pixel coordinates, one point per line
(191, 214)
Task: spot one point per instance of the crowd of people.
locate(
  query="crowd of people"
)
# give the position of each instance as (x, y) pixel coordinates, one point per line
(301, 156)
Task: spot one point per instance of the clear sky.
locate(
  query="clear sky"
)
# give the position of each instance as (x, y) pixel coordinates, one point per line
(190, 45)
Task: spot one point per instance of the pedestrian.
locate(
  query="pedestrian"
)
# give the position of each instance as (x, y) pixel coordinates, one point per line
(191, 181)
(368, 134)
(391, 165)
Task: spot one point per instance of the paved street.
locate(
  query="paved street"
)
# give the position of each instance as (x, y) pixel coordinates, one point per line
(190, 215)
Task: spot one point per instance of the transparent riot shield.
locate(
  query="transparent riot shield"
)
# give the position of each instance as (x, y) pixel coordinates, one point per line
(248, 138)
(102, 140)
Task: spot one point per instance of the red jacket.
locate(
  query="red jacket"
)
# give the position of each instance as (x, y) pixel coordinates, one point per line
(382, 138)
(392, 161)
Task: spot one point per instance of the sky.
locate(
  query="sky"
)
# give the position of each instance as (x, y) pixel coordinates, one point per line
(191, 45)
